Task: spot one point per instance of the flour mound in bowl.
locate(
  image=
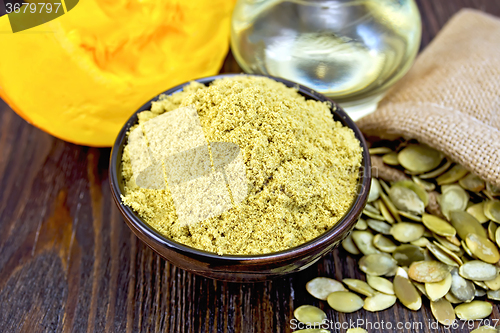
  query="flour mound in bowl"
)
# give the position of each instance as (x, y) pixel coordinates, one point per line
(302, 167)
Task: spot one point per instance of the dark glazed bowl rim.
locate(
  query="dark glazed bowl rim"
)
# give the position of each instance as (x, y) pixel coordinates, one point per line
(336, 233)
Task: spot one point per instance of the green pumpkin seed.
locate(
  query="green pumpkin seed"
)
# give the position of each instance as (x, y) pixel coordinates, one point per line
(451, 176)
(384, 186)
(450, 253)
(361, 225)
(477, 210)
(405, 232)
(372, 209)
(443, 311)
(461, 288)
(385, 212)
(388, 203)
(492, 229)
(379, 302)
(472, 183)
(492, 210)
(419, 190)
(421, 242)
(406, 254)
(349, 246)
(364, 242)
(384, 244)
(453, 198)
(437, 290)
(473, 310)
(428, 186)
(428, 271)
(493, 294)
(485, 329)
(482, 248)
(438, 226)
(359, 286)
(478, 271)
(380, 284)
(441, 255)
(410, 216)
(345, 301)
(356, 330)
(467, 250)
(421, 288)
(379, 226)
(406, 200)
(494, 190)
(405, 291)
(310, 315)
(465, 224)
(419, 158)
(480, 292)
(493, 284)
(321, 287)
(437, 172)
(497, 236)
(452, 299)
(379, 150)
(391, 158)
(447, 244)
(480, 284)
(377, 264)
(375, 190)
(373, 215)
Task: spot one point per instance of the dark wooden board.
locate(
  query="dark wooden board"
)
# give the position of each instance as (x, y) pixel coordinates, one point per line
(68, 262)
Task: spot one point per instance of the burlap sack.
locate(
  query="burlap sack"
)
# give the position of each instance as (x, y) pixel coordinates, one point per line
(450, 99)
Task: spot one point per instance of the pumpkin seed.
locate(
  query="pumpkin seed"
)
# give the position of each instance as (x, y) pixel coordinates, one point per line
(477, 210)
(428, 186)
(375, 190)
(321, 287)
(450, 253)
(452, 299)
(384, 186)
(359, 286)
(441, 255)
(480, 292)
(310, 315)
(472, 183)
(492, 210)
(428, 271)
(485, 329)
(482, 248)
(497, 236)
(419, 158)
(437, 290)
(391, 158)
(388, 203)
(406, 232)
(377, 264)
(410, 216)
(437, 172)
(453, 198)
(385, 212)
(372, 209)
(421, 242)
(438, 226)
(420, 287)
(480, 284)
(345, 301)
(465, 224)
(419, 190)
(379, 150)
(493, 284)
(361, 225)
(379, 302)
(493, 294)
(406, 200)
(492, 228)
(356, 330)
(383, 243)
(406, 254)
(494, 190)
(473, 310)
(467, 250)
(478, 271)
(454, 240)
(443, 311)
(447, 244)
(380, 284)
(379, 226)
(373, 215)
(456, 173)
(405, 291)
(364, 242)
(349, 246)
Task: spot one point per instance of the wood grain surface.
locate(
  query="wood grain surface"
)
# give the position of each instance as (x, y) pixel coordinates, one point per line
(68, 262)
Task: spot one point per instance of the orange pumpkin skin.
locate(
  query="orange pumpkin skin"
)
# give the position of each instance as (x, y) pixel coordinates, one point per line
(81, 76)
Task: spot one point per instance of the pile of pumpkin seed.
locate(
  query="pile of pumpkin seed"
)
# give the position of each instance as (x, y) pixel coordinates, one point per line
(432, 228)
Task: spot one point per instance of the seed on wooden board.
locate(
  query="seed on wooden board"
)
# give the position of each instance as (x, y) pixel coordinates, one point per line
(385, 212)
(406, 200)
(493, 294)
(375, 190)
(406, 232)
(406, 292)
(379, 150)
(428, 186)
(406, 254)
(494, 190)
(453, 175)
(380, 284)
(477, 210)
(379, 302)
(482, 248)
(472, 183)
(391, 158)
(442, 256)
(421, 242)
(361, 287)
(478, 271)
(473, 310)
(437, 172)
(388, 203)
(493, 284)
(465, 224)
(377, 264)
(492, 229)
(419, 190)
(364, 242)
(361, 225)
(437, 290)
(349, 246)
(443, 311)
(379, 226)
(321, 287)
(356, 330)
(453, 198)
(485, 329)
(419, 158)
(428, 271)
(310, 315)
(345, 301)
(438, 225)
(492, 210)
(384, 244)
